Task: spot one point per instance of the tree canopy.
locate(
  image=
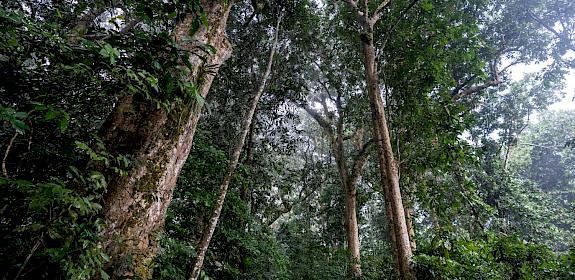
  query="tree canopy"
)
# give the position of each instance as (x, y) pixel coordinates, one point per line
(287, 139)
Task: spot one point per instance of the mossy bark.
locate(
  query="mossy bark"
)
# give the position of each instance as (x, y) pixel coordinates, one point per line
(158, 142)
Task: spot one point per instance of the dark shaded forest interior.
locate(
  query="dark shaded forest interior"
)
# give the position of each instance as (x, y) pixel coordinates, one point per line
(287, 139)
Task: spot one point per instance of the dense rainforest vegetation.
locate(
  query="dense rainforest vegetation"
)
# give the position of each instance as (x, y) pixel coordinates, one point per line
(287, 139)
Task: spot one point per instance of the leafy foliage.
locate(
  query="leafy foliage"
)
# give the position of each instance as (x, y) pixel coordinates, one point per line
(491, 189)
(505, 257)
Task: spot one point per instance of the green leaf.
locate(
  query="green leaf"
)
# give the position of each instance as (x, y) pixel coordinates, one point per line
(194, 28)
(53, 233)
(82, 146)
(208, 48)
(20, 126)
(20, 115)
(64, 122)
(103, 274)
(96, 175)
(201, 101)
(50, 115)
(156, 65)
(107, 51)
(204, 19)
(427, 6)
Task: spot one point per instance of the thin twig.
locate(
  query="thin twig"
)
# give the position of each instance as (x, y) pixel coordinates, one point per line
(4, 170)
(38, 242)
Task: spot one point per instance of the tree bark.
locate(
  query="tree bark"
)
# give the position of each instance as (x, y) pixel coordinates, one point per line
(247, 121)
(388, 209)
(387, 164)
(350, 190)
(352, 230)
(348, 181)
(158, 142)
(245, 194)
(399, 235)
(409, 222)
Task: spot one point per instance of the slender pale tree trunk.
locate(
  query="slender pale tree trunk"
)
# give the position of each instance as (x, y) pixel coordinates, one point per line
(247, 121)
(388, 209)
(349, 185)
(159, 143)
(350, 189)
(399, 234)
(352, 230)
(348, 181)
(387, 163)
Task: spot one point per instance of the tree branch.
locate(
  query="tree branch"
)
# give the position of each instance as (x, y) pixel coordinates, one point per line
(359, 162)
(319, 119)
(377, 14)
(34, 248)
(546, 26)
(458, 93)
(399, 18)
(322, 83)
(4, 170)
(474, 89)
(129, 26)
(360, 15)
(462, 85)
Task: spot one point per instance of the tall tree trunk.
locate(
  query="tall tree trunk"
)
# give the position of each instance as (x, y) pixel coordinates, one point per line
(159, 143)
(348, 181)
(388, 208)
(387, 163)
(245, 194)
(352, 230)
(247, 121)
(349, 190)
(351, 207)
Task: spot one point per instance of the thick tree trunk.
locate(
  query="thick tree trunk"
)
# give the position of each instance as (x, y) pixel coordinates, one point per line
(247, 122)
(159, 143)
(387, 163)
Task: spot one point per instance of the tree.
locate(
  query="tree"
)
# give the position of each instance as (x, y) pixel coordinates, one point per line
(349, 178)
(101, 102)
(106, 58)
(159, 142)
(388, 166)
(247, 123)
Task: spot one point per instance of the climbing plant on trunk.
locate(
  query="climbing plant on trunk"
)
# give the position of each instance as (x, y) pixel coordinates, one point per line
(158, 141)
